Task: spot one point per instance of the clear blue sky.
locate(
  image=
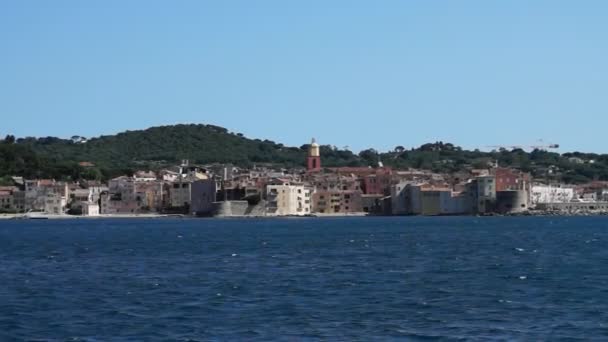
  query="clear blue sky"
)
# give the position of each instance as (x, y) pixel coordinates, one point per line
(357, 73)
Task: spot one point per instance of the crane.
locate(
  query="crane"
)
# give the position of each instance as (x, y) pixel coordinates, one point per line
(541, 146)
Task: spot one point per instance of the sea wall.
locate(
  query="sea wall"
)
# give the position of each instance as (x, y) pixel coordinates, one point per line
(238, 209)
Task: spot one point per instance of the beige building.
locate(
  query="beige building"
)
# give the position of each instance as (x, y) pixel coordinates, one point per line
(55, 204)
(288, 200)
(337, 202)
(90, 209)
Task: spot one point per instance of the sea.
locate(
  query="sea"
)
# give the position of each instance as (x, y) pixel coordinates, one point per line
(305, 279)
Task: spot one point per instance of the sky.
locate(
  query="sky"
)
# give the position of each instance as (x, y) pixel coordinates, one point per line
(363, 74)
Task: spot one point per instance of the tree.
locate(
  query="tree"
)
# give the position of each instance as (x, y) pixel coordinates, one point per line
(9, 139)
(399, 149)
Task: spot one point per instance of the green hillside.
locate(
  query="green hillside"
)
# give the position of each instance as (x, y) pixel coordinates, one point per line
(156, 147)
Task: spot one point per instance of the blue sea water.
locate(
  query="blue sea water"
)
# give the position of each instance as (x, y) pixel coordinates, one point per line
(342, 279)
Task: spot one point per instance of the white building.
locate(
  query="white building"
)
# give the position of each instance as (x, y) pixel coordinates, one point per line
(54, 204)
(90, 209)
(144, 176)
(288, 200)
(551, 194)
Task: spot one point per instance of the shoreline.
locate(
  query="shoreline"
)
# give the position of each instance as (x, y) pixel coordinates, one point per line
(42, 216)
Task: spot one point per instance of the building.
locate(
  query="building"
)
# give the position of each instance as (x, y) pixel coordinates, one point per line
(378, 183)
(511, 179)
(337, 202)
(512, 201)
(150, 194)
(288, 200)
(482, 194)
(376, 204)
(313, 161)
(90, 209)
(144, 176)
(11, 199)
(203, 194)
(551, 194)
(6, 200)
(36, 192)
(54, 204)
(121, 197)
(180, 193)
(413, 199)
(399, 198)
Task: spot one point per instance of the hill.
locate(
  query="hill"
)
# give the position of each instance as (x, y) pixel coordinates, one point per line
(156, 147)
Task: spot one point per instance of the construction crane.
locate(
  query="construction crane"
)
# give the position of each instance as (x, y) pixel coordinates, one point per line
(541, 146)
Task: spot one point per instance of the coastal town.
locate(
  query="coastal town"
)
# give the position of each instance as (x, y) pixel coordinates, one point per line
(220, 190)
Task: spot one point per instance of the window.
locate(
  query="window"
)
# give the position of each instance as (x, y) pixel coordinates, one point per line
(347, 196)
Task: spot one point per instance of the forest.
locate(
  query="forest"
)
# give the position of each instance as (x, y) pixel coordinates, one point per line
(104, 157)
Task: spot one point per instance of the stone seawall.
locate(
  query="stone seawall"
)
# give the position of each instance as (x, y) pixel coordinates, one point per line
(238, 209)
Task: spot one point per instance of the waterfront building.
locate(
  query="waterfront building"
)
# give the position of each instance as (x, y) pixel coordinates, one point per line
(337, 201)
(482, 194)
(552, 194)
(203, 194)
(90, 209)
(399, 198)
(512, 201)
(288, 200)
(36, 192)
(54, 204)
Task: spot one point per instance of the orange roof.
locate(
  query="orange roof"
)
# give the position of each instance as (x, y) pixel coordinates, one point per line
(46, 182)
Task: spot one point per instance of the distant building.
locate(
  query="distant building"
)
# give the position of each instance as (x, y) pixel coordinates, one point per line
(400, 199)
(337, 201)
(512, 201)
(144, 176)
(11, 199)
(482, 194)
(54, 204)
(552, 194)
(510, 179)
(90, 209)
(203, 194)
(376, 204)
(378, 183)
(288, 200)
(180, 193)
(37, 191)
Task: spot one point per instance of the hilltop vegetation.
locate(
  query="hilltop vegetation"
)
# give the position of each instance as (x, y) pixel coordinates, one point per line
(156, 147)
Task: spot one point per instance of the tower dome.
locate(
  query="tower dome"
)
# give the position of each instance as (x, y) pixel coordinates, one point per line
(314, 149)
(313, 161)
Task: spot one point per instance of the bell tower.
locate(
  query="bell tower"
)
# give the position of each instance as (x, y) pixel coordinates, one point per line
(313, 161)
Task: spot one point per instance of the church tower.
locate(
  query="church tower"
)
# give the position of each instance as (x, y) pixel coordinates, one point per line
(313, 161)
